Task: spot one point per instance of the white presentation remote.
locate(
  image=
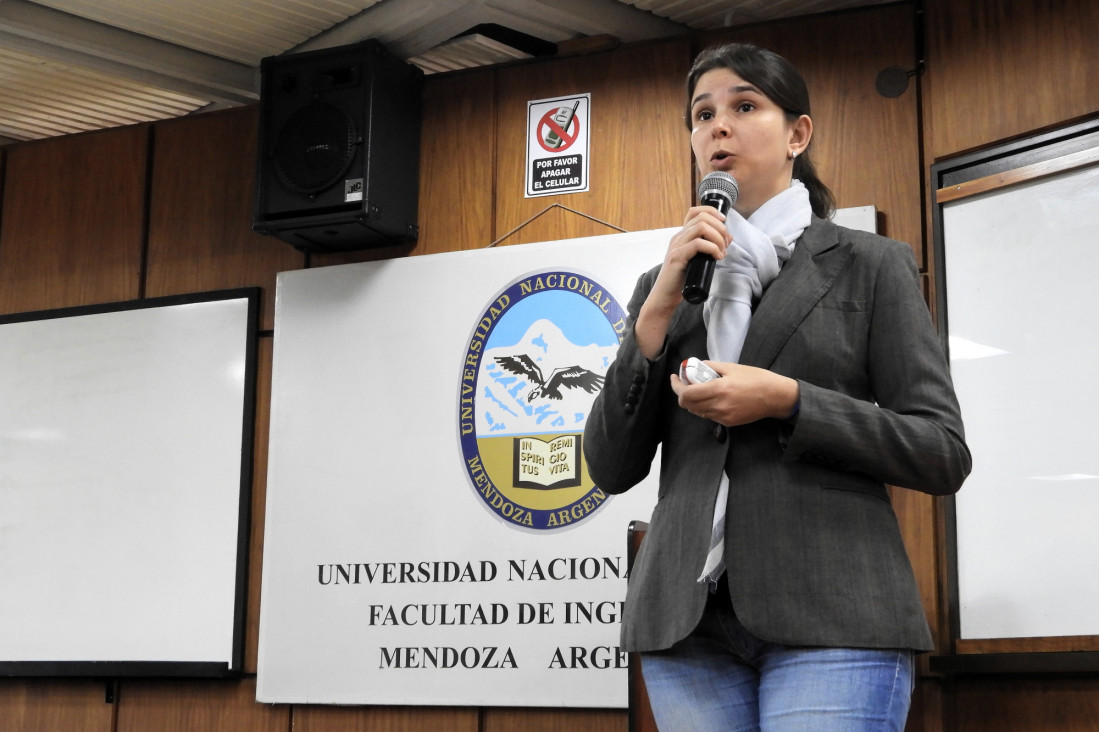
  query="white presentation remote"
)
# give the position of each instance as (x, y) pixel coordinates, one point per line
(693, 371)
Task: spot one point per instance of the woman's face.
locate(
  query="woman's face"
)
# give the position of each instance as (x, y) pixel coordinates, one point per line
(736, 129)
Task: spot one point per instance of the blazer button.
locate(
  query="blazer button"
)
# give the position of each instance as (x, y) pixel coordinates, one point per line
(639, 378)
(720, 433)
(635, 389)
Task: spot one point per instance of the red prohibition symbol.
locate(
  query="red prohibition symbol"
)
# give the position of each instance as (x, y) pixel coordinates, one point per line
(555, 126)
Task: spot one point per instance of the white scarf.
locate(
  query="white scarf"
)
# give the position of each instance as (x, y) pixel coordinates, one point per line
(761, 244)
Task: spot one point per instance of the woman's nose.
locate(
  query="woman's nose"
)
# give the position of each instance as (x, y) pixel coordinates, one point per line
(720, 126)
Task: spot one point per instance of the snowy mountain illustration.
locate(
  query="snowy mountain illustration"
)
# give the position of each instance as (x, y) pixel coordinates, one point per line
(543, 383)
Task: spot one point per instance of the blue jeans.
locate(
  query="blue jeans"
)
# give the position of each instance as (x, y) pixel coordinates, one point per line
(723, 679)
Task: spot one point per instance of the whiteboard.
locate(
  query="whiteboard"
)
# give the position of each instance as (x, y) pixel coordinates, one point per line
(1020, 264)
(125, 450)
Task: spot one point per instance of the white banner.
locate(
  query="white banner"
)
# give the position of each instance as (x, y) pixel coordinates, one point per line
(432, 535)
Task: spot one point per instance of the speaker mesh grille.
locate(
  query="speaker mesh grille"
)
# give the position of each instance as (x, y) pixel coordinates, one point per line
(314, 148)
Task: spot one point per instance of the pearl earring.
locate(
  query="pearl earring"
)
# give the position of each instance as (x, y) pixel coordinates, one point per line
(793, 154)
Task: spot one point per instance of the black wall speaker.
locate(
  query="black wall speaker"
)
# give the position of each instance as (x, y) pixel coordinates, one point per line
(339, 148)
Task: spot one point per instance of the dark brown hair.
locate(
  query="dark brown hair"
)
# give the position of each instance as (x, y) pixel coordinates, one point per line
(782, 84)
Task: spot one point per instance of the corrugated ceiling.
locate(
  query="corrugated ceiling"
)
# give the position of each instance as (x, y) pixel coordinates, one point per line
(709, 14)
(74, 65)
(239, 30)
(41, 98)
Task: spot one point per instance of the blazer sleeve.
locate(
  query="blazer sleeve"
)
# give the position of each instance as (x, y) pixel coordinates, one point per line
(910, 434)
(623, 429)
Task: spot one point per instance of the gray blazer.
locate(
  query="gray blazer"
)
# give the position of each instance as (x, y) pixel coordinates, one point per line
(813, 548)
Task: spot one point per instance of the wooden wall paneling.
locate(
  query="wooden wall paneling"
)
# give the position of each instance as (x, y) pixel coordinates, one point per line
(1011, 704)
(73, 222)
(3, 176)
(200, 217)
(385, 719)
(997, 70)
(54, 704)
(1032, 644)
(222, 705)
(640, 167)
(555, 720)
(352, 256)
(926, 714)
(457, 162)
(865, 146)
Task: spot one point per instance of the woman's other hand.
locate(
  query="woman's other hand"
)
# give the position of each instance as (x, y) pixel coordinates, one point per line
(742, 394)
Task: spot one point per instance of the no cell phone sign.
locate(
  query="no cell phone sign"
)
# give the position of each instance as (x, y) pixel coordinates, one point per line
(557, 145)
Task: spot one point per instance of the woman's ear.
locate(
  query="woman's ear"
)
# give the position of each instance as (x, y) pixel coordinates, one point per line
(801, 131)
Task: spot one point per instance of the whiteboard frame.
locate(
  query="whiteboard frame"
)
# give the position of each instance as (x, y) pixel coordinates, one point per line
(230, 662)
(1024, 159)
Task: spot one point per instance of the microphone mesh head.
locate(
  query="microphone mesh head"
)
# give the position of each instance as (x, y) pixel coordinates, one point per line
(720, 183)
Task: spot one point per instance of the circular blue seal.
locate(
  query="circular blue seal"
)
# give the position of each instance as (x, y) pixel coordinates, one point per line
(535, 362)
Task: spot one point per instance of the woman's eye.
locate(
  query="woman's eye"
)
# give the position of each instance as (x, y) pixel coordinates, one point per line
(745, 107)
(704, 115)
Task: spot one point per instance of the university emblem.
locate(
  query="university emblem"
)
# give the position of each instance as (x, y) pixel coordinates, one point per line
(534, 364)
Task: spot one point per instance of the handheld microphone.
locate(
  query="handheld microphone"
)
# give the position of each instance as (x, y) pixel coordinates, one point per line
(720, 190)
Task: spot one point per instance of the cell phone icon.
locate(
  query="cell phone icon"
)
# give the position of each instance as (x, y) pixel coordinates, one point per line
(563, 118)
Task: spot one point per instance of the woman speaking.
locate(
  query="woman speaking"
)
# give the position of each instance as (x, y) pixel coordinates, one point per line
(772, 590)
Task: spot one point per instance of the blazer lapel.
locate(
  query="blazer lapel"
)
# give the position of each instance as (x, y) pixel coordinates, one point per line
(817, 260)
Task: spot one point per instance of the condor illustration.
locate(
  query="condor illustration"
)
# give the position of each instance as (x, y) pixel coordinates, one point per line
(571, 377)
